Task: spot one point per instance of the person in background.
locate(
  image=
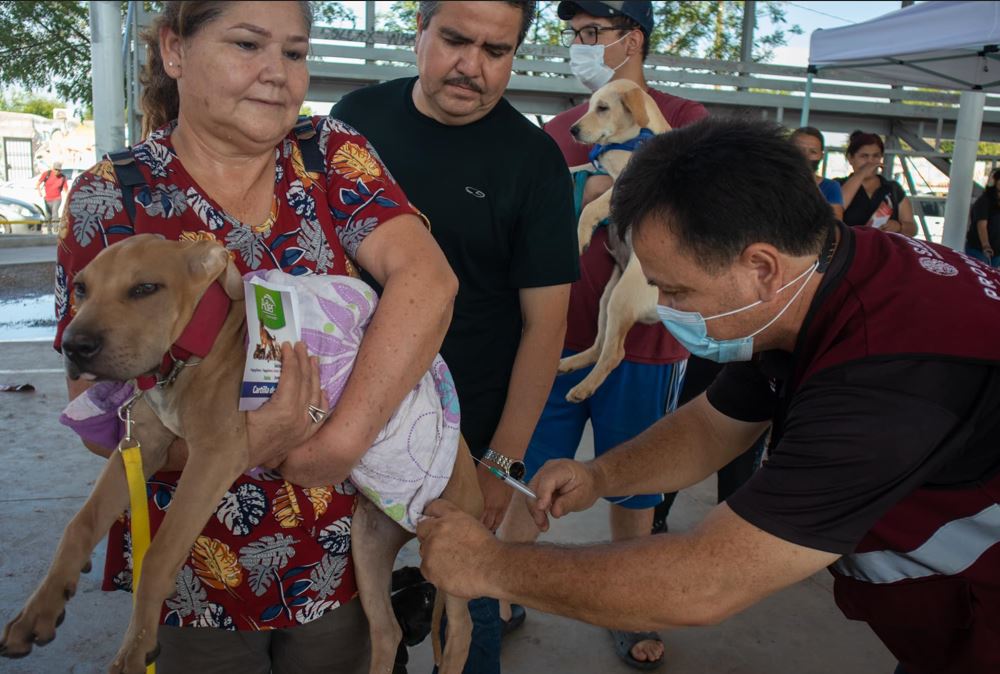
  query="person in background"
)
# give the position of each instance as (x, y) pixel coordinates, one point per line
(811, 144)
(51, 186)
(500, 202)
(608, 41)
(223, 86)
(983, 239)
(870, 199)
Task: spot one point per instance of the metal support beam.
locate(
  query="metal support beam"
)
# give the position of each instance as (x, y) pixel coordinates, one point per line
(917, 204)
(888, 162)
(746, 42)
(914, 140)
(804, 119)
(108, 76)
(963, 164)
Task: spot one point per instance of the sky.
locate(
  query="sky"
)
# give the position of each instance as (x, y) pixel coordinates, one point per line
(811, 16)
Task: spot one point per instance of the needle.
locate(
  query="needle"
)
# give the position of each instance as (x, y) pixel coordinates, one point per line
(516, 484)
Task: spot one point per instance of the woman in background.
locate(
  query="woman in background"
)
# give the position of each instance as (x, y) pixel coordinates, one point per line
(983, 239)
(869, 198)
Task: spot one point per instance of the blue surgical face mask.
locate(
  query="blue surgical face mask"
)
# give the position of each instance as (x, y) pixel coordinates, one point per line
(689, 328)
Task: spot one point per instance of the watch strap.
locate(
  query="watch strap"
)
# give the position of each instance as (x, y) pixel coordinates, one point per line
(498, 458)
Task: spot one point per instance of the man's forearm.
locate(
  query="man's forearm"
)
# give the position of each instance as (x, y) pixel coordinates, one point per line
(681, 449)
(645, 583)
(530, 382)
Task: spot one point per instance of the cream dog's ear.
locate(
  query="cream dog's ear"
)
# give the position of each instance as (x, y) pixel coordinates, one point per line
(635, 102)
(210, 261)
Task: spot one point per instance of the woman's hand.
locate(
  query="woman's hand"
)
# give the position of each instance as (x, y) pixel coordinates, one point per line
(496, 497)
(870, 170)
(892, 226)
(284, 421)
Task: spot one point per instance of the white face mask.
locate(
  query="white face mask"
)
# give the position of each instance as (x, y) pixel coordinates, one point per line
(587, 63)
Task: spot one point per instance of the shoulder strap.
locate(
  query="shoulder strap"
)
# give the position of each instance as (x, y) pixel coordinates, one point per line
(129, 177)
(312, 158)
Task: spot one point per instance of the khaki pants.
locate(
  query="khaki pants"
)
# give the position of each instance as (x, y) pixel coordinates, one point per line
(337, 642)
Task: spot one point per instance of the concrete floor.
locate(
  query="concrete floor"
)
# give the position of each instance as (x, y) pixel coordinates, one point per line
(47, 474)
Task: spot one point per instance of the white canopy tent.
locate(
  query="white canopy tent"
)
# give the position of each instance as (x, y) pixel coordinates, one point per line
(944, 44)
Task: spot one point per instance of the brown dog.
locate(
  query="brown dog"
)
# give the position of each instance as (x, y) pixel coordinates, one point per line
(130, 311)
(617, 113)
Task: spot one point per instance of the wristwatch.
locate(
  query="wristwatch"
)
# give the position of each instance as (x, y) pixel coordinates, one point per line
(513, 467)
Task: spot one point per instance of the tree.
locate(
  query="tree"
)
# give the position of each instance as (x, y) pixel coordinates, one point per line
(33, 104)
(46, 45)
(333, 14)
(697, 28)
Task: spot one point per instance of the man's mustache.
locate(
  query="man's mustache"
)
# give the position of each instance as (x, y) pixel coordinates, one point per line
(465, 82)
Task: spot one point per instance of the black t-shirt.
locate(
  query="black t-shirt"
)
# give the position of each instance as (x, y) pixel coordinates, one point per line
(860, 210)
(857, 438)
(984, 210)
(500, 203)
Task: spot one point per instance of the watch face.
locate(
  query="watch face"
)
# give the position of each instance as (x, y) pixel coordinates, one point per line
(517, 470)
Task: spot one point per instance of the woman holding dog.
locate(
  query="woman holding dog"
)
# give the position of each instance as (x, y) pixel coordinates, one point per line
(227, 161)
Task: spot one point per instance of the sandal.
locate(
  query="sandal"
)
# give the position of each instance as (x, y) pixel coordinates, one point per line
(517, 616)
(624, 641)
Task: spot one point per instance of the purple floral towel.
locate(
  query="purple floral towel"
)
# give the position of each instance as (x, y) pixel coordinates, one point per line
(410, 462)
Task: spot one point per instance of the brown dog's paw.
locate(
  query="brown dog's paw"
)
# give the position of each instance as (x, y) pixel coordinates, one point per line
(32, 627)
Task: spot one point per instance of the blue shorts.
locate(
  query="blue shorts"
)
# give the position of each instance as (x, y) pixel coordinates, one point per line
(631, 399)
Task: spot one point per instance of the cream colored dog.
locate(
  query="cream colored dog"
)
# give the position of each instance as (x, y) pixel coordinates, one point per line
(617, 113)
(133, 301)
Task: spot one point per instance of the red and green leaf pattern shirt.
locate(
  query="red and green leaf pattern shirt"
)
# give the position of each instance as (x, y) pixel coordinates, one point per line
(273, 555)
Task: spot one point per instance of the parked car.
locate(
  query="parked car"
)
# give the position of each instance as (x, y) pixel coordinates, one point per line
(26, 189)
(19, 217)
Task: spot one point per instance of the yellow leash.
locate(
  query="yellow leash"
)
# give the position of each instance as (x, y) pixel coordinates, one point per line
(132, 458)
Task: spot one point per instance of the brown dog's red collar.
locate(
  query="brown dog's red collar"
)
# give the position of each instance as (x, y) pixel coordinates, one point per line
(196, 340)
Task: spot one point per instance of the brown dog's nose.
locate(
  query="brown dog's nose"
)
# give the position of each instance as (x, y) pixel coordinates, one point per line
(574, 130)
(81, 347)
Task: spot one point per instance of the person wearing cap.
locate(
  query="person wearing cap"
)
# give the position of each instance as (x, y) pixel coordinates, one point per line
(51, 186)
(608, 41)
(883, 466)
(500, 204)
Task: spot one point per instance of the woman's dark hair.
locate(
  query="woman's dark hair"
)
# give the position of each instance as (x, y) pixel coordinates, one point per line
(720, 185)
(859, 139)
(185, 18)
(809, 131)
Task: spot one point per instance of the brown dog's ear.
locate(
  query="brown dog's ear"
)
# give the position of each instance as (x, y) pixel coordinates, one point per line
(635, 102)
(210, 261)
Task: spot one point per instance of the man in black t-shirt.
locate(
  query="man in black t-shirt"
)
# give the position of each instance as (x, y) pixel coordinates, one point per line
(875, 357)
(499, 200)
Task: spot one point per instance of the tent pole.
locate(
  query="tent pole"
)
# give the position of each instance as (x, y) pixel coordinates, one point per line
(804, 120)
(963, 164)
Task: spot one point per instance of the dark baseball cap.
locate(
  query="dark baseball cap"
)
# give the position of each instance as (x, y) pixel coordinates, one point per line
(640, 12)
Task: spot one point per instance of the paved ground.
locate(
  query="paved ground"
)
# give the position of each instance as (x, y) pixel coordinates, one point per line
(47, 474)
